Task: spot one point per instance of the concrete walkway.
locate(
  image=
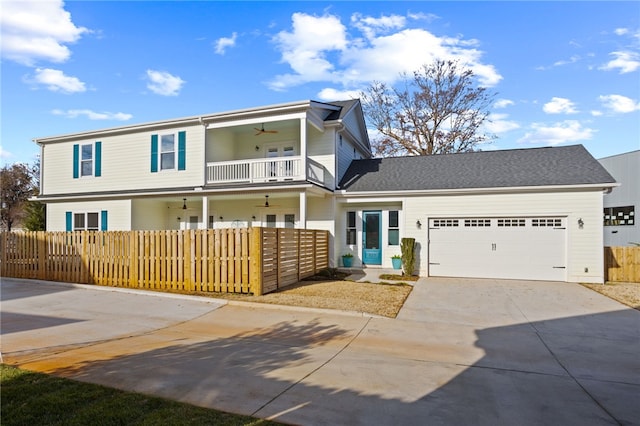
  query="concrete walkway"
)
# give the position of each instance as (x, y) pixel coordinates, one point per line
(480, 352)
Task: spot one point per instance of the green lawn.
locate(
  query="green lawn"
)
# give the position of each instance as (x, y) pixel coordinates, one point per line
(30, 398)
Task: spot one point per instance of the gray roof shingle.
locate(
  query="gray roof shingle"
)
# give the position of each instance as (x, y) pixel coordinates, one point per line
(569, 165)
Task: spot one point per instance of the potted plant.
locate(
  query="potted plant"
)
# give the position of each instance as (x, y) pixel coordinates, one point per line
(347, 260)
(396, 260)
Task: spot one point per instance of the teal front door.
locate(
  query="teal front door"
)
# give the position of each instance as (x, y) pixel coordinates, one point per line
(371, 236)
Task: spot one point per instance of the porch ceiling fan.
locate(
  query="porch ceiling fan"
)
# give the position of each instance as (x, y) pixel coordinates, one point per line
(266, 203)
(261, 130)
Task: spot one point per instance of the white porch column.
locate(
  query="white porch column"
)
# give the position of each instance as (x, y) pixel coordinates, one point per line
(303, 210)
(303, 146)
(205, 213)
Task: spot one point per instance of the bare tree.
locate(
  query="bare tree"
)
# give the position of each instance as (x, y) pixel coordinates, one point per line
(35, 212)
(17, 186)
(438, 110)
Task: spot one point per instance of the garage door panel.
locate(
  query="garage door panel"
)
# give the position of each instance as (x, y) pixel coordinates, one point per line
(513, 248)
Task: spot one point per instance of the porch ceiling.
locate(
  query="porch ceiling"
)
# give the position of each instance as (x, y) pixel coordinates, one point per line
(270, 123)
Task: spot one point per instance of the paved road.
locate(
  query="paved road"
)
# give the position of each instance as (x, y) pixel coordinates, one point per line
(480, 352)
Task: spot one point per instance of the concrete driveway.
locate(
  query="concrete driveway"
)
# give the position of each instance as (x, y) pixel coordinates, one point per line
(480, 352)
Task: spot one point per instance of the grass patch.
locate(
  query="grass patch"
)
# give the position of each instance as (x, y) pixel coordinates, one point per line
(30, 398)
(395, 277)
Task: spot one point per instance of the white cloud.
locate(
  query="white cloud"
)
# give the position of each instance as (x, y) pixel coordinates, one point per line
(625, 61)
(330, 94)
(619, 103)
(499, 123)
(503, 103)
(559, 106)
(572, 60)
(92, 115)
(163, 83)
(306, 47)
(370, 26)
(556, 134)
(223, 42)
(57, 81)
(4, 154)
(34, 30)
(321, 49)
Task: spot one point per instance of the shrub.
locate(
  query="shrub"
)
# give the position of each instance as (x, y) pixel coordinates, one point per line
(408, 246)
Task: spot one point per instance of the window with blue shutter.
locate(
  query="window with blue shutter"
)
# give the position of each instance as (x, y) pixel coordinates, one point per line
(154, 153)
(182, 145)
(76, 161)
(87, 160)
(169, 152)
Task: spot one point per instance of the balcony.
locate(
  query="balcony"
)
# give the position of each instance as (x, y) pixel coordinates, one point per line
(262, 170)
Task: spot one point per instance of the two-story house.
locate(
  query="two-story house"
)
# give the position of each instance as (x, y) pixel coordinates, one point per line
(521, 214)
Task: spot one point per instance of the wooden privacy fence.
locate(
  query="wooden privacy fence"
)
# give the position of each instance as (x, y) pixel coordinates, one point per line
(250, 260)
(622, 264)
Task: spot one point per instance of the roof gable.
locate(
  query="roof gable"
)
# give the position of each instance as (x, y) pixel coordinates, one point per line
(570, 165)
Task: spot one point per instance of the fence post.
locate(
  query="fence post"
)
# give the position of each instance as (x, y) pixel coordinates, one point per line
(187, 260)
(255, 253)
(3, 254)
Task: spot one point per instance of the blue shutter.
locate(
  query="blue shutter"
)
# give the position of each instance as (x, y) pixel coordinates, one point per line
(103, 220)
(98, 166)
(154, 153)
(182, 145)
(76, 161)
(69, 217)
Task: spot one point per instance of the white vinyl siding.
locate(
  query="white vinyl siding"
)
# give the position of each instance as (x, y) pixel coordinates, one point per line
(320, 149)
(118, 212)
(125, 163)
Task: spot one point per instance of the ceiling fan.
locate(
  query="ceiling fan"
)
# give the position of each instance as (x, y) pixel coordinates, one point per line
(266, 202)
(262, 130)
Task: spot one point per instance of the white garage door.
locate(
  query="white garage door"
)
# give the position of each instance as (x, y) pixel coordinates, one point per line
(512, 248)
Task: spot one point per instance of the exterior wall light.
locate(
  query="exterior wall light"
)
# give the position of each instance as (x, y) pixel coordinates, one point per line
(418, 224)
(580, 223)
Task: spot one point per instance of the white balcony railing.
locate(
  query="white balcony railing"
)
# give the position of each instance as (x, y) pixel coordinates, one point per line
(255, 170)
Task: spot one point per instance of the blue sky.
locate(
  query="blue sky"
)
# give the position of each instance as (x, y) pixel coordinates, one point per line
(564, 72)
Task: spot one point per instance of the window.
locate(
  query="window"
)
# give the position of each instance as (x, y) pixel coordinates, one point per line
(289, 221)
(394, 231)
(511, 222)
(167, 152)
(271, 221)
(444, 223)
(87, 159)
(351, 228)
(619, 216)
(547, 222)
(86, 222)
(474, 223)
